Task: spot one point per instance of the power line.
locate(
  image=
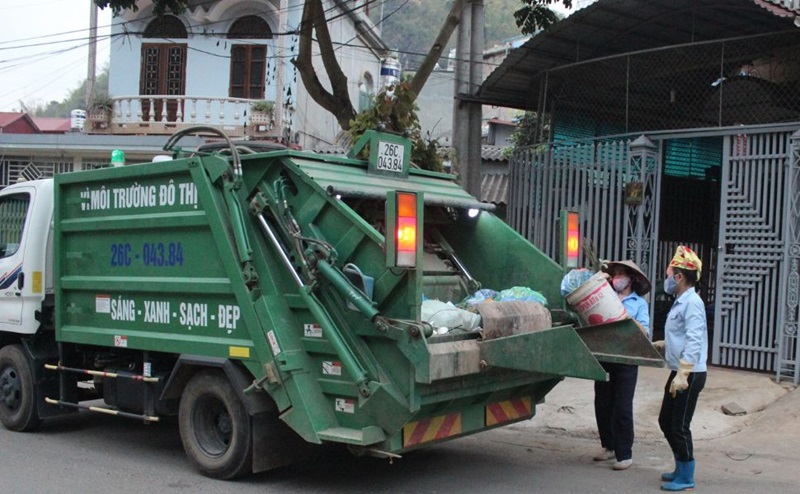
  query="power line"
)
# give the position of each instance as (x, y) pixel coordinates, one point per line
(49, 77)
(116, 36)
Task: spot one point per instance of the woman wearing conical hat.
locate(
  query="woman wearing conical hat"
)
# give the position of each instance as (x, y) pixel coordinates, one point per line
(613, 400)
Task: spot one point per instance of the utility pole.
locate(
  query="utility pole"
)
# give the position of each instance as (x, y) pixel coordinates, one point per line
(91, 78)
(467, 114)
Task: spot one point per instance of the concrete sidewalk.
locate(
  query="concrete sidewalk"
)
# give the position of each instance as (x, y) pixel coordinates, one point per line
(569, 408)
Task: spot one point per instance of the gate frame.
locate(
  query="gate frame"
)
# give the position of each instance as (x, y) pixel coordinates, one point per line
(788, 365)
(641, 235)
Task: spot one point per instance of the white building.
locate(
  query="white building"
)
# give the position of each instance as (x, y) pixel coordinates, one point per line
(207, 65)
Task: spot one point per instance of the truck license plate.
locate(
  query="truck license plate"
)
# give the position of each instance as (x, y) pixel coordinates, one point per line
(390, 157)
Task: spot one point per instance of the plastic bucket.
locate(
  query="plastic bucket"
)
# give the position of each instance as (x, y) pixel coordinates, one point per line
(596, 302)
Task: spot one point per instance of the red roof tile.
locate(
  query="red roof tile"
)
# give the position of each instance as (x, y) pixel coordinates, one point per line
(7, 118)
(52, 125)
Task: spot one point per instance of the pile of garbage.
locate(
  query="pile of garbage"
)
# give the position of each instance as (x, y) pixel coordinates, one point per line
(465, 315)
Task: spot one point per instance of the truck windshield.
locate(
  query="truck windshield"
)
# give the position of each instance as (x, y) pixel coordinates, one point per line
(13, 210)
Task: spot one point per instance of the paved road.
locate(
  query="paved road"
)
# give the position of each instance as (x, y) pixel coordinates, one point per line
(94, 453)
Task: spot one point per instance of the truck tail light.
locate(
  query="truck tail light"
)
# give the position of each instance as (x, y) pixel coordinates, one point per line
(570, 238)
(406, 226)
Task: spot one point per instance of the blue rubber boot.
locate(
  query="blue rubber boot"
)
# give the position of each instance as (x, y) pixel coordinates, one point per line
(670, 476)
(684, 477)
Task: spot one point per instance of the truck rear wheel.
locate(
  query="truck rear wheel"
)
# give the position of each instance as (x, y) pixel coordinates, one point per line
(215, 428)
(17, 391)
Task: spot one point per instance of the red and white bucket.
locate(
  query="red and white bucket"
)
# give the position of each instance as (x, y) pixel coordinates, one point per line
(596, 302)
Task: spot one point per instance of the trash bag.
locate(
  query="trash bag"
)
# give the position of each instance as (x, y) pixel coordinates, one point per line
(446, 315)
(574, 279)
(482, 295)
(521, 294)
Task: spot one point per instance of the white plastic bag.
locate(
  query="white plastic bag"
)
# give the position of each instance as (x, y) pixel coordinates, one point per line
(445, 314)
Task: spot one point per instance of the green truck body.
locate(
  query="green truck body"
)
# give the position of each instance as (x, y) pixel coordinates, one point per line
(234, 292)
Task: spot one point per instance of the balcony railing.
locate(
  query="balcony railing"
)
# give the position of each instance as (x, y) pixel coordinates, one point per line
(161, 114)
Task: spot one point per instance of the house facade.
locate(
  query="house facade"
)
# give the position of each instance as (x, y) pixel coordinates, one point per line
(213, 66)
(210, 64)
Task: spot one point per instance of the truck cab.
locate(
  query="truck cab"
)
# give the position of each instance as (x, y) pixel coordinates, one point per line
(26, 243)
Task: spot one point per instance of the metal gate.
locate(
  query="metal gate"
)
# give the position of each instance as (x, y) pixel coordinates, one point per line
(788, 351)
(614, 185)
(750, 282)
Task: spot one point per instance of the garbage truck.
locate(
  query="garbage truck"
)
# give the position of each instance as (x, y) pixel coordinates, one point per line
(271, 301)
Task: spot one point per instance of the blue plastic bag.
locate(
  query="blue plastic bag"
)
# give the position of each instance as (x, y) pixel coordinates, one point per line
(574, 279)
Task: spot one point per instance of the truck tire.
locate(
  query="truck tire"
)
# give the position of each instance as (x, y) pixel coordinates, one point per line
(215, 428)
(17, 391)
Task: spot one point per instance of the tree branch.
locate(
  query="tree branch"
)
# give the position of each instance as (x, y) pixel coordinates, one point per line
(334, 71)
(435, 53)
(338, 102)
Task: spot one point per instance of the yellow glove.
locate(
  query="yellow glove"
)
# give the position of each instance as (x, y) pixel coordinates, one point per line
(681, 379)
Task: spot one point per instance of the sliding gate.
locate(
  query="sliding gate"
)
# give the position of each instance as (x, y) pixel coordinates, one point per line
(756, 307)
(614, 185)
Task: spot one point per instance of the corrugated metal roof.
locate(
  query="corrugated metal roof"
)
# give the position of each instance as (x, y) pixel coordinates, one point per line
(493, 153)
(613, 27)
(349, 178)
(494, 188)
(79, 142)
(783, 8)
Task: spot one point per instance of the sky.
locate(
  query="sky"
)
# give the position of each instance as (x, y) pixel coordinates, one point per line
(44, 49)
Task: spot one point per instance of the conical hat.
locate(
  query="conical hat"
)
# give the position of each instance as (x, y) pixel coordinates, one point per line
(639, 282)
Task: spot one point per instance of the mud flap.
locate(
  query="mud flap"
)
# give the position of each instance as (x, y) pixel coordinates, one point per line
(557, 351)
(621, 342)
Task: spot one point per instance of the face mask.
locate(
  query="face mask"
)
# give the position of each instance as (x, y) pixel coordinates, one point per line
(670, 284)
(620, 282)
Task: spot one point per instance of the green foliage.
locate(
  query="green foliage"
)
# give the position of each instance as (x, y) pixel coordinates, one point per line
(76, 98)
(411, 27)
(425, 154)
(536, 14)
(101, 102)
(262, 105)
(395, 111)
(527, 131)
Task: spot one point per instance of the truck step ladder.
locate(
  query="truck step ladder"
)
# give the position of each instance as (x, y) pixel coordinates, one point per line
(147, 417)
(110, 375)
(107, 411)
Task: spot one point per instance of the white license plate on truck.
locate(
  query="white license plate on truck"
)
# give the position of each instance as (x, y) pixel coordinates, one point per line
(390, 157)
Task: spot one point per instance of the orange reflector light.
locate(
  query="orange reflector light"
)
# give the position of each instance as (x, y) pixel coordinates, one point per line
(406, 229)
(571, 239)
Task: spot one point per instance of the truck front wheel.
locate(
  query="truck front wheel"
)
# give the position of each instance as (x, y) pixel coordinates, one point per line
(17, 391)
(215, 428)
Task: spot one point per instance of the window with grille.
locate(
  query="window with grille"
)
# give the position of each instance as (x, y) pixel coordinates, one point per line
(248, 61)
(248, 71)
